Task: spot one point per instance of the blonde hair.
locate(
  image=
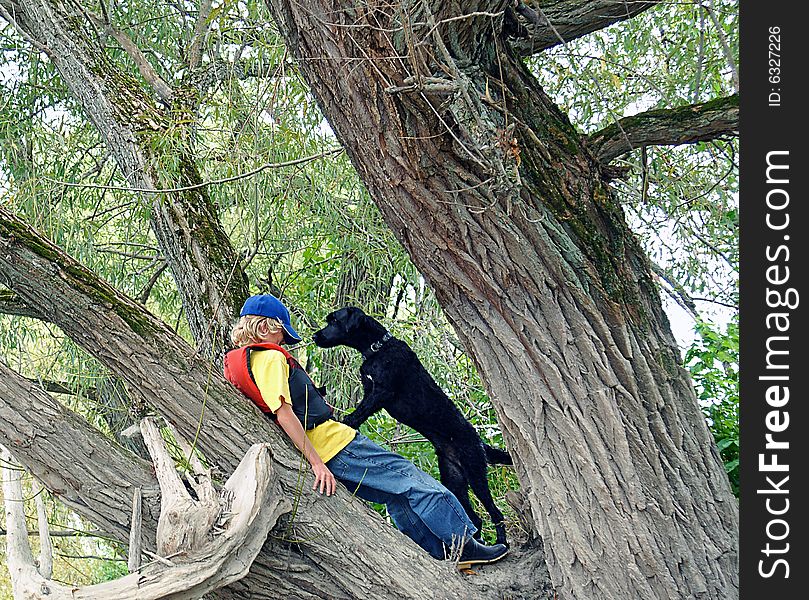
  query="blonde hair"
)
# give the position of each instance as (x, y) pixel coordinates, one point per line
(253, 329)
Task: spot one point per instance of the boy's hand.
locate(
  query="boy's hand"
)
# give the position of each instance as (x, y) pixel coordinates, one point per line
(324, 479)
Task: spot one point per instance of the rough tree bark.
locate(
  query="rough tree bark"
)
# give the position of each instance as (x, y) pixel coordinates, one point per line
(117, 409)
(503, 208)
(60, 449)
(74, 461)
(162, 370)
(537, 26)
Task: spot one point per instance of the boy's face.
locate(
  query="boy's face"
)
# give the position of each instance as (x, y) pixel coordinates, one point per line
(273, 337)
(276, 338)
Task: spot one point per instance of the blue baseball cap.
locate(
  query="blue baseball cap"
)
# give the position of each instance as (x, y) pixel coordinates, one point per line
(267, 305)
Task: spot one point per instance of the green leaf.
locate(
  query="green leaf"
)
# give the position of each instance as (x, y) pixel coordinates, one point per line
(722, 444)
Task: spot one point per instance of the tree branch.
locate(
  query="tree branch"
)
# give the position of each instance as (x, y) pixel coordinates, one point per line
(677, 292)
(218, 70)
(145, 68)
(58, 387)
(219, 536)
(667, 127)
(200, 184)
(94, 477)
(12, 304)
(61, 533)
(201, 27)
(112, 395)
(729, 59)
(61, 449)
(533, 30)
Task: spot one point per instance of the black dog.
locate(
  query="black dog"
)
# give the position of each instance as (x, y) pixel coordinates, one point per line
(393, 378)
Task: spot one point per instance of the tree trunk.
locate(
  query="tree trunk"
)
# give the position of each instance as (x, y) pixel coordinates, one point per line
(502, 208)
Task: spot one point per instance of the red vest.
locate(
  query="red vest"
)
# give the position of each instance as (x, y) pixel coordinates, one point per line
(307, 401)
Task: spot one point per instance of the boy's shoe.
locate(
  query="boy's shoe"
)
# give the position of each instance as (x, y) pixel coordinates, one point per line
(475, 553)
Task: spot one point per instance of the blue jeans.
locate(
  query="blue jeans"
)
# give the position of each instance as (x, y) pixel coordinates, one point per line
(420, 506)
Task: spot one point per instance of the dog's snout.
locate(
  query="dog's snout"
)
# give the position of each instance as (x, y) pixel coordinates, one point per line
(322, 339)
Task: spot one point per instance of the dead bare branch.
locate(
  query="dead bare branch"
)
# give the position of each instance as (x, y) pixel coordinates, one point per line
(204, 561)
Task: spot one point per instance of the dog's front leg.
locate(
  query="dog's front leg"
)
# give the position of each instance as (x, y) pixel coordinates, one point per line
(373, 400)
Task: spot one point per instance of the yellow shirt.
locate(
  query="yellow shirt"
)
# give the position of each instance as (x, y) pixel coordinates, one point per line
(271, 372)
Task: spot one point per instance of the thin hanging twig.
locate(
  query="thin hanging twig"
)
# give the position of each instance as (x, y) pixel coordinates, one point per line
(197, 186)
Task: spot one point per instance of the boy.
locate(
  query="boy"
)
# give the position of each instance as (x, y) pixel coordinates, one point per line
(419, 505)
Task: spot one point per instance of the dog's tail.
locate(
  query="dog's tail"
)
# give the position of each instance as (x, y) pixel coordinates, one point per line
(495, 456)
